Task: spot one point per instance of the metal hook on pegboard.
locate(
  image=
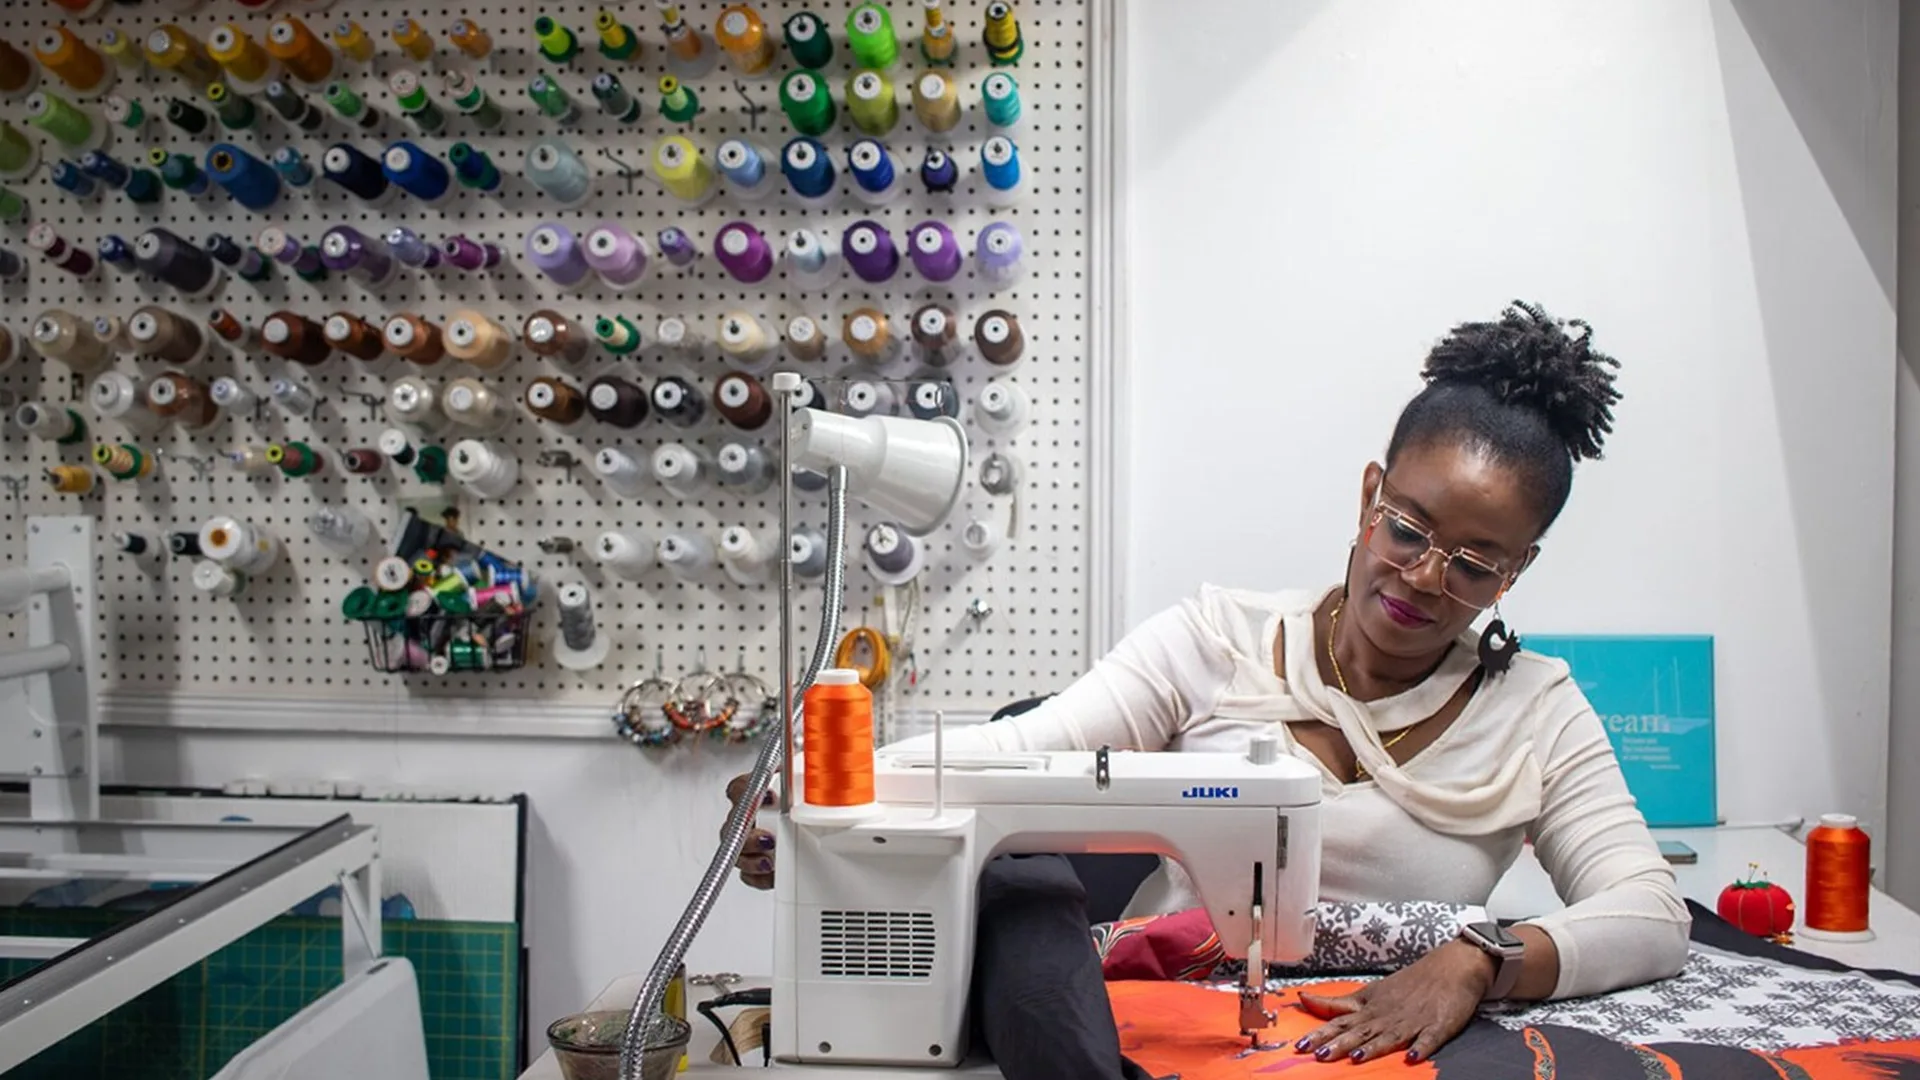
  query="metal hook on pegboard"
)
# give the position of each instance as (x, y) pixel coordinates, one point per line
(626, 171)
(373, 402)
(753, 109)
(14, 484)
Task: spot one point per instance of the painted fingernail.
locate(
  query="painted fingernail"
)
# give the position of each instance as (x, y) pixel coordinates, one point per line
(1413, 1057)
(1305, 1042)
(766, 843)
(764, 866)
(1358, 1055)
(1323, 1053)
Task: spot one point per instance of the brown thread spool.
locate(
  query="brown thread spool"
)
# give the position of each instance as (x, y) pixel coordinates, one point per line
(71, 479)
(16, 69)
(155, 331)
(227, 327)
(616, 401)
(414, 339)
(294, 337)
(555, 400)
(997, 335)
(354, 336)
(936, 332)
(109, 331)
(743, 401)
(551, 334)
(805, 342)
(478, 340)
(363, 460)
(867, 334)
(184, 399)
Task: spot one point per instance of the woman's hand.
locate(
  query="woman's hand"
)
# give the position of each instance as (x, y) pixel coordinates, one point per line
(756, 855)
(1417, 1009)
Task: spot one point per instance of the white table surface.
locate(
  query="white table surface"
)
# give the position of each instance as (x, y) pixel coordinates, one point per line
(1723, 858)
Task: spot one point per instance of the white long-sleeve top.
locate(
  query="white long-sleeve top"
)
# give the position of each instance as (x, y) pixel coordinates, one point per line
(1526, 759)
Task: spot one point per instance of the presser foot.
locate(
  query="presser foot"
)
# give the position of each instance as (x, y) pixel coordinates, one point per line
(1255, 1017)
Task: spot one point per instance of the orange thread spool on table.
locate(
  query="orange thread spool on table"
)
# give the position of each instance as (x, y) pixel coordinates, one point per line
(838, 725)
(1839, 880)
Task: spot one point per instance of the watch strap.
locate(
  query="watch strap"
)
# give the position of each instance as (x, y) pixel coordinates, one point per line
(1508, 953)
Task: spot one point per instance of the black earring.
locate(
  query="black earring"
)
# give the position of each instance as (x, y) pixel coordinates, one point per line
(1497, 645)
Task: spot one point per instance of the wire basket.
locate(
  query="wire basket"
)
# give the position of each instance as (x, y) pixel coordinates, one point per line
(445, 644)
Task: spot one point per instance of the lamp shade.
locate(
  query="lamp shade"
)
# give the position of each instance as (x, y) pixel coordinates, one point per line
(910, 470)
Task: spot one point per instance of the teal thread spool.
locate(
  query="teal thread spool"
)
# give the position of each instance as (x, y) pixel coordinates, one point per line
(553, 101)
(871, 39)
(58, 117)
(234, 110)
(808, 103)
(1002, 98)
(125, 112)
(472, 101)
(678, 102)
(143, 186)
(557, 43)
(808, 40)
(473, 168)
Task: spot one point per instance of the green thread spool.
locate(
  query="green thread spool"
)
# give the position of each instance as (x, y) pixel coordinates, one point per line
(556, 42)
(315, 269)
(411, 95)
(1002, 98)
(460, 154)
(552, 99)
(16, 153)
(808, 40)
(359, 604)
(125, 112)
(79, 432)
(177, 171)
(430, 464)
(344, 101)
(808, 103)
(143, 186)
(57, 117)
(474, 104)
(464, 655)
(234, 110)
(617, 39)
(678, 102)
(870, 37)
(871, 103)
(12, 206)
(616, 335)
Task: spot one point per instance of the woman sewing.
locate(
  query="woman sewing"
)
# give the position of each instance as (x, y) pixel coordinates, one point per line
(1441, 749)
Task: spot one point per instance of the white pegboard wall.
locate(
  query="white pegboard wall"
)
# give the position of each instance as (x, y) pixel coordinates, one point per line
(286, 634)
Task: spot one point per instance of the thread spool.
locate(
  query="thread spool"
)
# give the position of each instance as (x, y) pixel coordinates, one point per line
(117, 396)
(613, 98)
(997, 336)
(935, 252)
(675, 401)
(745, 168)
(673, 335)
(171, 49)
(481, 469)
(556, 169)
(351, 106)
(680, 468)
(936, 35)
(746, 559)
(1002, 34)
(865, 397)
(743, 401)
(869, 335)
(550, 334)
(809, 171)
(805, 341)
(415, 401)
(344, 529)
(619, 471)
(555, 400)
(556, 253)
(354, 42)
(363, 461)
(477, 340)
(295, 337)
(875, 181)
(870, 251)
(471, 99)
(71, 479)
(183, 400)
(617, 40)
(687, 51)
(1003, 408)
(353, 335)
(743, 36)
(472, 256)
(837, 768)
(58, 335)
(110, 331)
(936, 334)
(397, 448)
(54, 423)
(304, 259)
(116, 46)
(414, 339)
(125, 114)
(413, 41)
(743, 468)
(683, 170)
(579, 646)
(677, 247)
(939, 172)
(623, 553)
(552, 100)
(617, 335)
(687, 555)
(997, 255)
(56, 250)
(239, 545)
(294, 397)
(346, 250)
(77, 64)
(228, 394)
(245, 261)
(936, 103)
(872, 104)
(807, 548)
(809, 262)
(239, 56)
(870, 37)
(744, 341)
(360, 174)
(165, 335)
(11, 348)
(618, 256)
(1839, 881)
(18, 73)
(1000, 168)
(299, 50)
(1001, 97)
(471, 404)
(808, 40)
(416, 172)
(931, 398)
(980, 539)
(613, 400)
(216, 580)
(69, 178)
(893, 557)
(808, 103)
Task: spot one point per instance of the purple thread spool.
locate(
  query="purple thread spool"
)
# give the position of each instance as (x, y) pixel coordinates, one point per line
(677, 246)
(556, 253)
(618, 256)
(870, 251)
(744, 252)
(346, 250)
(936, 254)
(470, 255)
(996, 255)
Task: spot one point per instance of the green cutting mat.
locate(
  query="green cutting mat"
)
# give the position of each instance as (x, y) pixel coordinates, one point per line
(191, 1025)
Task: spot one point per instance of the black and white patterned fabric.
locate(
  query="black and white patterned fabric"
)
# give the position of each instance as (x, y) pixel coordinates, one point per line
(1360, 938)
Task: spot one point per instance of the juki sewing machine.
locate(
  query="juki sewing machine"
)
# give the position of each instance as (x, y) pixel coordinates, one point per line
(874, 932)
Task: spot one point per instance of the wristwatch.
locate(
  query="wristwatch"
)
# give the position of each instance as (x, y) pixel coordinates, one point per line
(1508, 952)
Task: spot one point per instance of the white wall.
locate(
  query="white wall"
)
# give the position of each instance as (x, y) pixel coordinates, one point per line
(1709, 183)
(1642, 163)
(1902, 849)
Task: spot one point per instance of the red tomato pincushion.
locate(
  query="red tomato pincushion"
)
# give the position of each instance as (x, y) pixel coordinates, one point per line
(1759, 907)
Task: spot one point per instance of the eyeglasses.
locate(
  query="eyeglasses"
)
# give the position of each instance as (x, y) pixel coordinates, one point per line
(1403, 543)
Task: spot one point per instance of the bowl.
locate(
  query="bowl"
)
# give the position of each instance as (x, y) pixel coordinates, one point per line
(587, 1045)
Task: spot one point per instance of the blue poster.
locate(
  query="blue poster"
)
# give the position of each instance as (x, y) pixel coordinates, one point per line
(1654, 696)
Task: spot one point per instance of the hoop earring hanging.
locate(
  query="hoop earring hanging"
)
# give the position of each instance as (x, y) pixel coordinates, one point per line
(1497, 644)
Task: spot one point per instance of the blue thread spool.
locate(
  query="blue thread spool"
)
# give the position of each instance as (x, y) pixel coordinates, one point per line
(347, 166)
(1000, 164)
(742, 164)
(244, 261)
(872, 169)
(417, 172)
(474, 168)
(939, 171)
(808, 169)
(117, 251)
(553, 167)
(292, 167)
(252, 182)
(407, 246)
(68, 177)
(143, 186)
(104, 168)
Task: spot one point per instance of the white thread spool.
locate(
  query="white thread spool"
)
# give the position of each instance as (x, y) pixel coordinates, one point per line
(217, 579)
(865, 397)
(980, 538)
(688, 555)
(1003, 408)
(482, 470)
(44, 421)
(619, 470)
(413, 400)
(624, 554)
(675, 336)
(744, 468)
(344, 529)
(473, 406)
(229, 395)
(744, 341)
(241, 545)
(116, 395)
(744, 557)
(680, 468)
(580, 645)
(812, 262)
(808, 550)
(248, 461)
(293, 396)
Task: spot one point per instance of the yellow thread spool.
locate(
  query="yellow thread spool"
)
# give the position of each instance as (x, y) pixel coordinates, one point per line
(170, 48)
(234, 50)
(871, 103)
(77, 63)
(469, 38)
(682, 169)
(352, 41)
(743, 36)
(122, 50)
(292, 43)
(936, 40)
(71, 479)
(1003, 30)
(413, 41)
(685, 44)
(936, 102)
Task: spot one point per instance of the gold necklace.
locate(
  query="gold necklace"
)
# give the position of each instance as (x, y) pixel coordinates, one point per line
(1333, 630)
